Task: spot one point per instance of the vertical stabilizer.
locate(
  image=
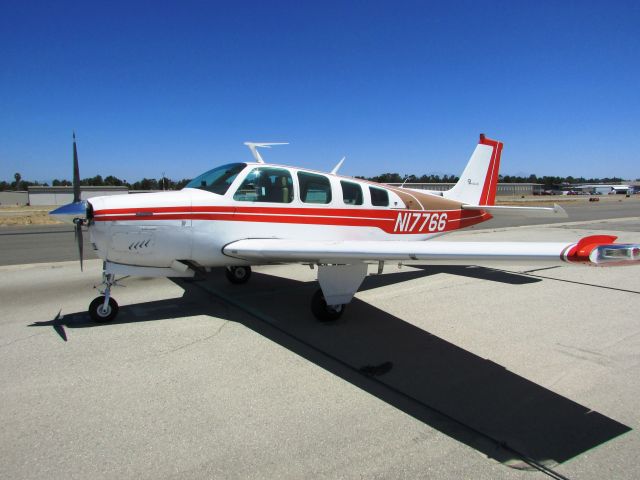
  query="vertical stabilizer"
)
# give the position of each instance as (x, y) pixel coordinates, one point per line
(479, 181)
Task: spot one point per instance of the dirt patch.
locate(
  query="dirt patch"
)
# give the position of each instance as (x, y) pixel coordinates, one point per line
(26, 215)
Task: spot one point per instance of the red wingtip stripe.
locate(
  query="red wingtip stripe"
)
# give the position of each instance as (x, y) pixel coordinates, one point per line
(580, 251)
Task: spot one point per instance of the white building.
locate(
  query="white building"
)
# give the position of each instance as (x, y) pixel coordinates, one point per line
(602, 189)
(63, 195)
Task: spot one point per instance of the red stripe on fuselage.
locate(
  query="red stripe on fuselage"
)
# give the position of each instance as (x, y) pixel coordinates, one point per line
(378, 218)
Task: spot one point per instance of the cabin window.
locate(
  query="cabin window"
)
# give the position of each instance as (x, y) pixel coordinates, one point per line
(351, 193)
(379, 197)
(217, 180)
(314, 188)
(266, 184)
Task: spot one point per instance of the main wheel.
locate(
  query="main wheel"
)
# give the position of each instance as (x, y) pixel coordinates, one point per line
(238, 275)
(324, 312)
(100, 314)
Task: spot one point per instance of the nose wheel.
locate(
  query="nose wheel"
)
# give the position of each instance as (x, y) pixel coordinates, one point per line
(104, 308)
(101, 311)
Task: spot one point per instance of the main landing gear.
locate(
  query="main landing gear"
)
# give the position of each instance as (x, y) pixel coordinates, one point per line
(238, 275)
(104, 308)
(338, 284)
(324, 312)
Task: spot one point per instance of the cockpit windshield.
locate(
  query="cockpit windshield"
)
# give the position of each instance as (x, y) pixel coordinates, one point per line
(217, 180)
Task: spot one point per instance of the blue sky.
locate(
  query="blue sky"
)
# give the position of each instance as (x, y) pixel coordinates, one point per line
(398, 86)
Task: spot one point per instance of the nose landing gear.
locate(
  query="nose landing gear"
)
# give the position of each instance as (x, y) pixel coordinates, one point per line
(104, 308)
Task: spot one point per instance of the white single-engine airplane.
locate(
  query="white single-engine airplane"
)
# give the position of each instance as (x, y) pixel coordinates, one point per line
(253, 213)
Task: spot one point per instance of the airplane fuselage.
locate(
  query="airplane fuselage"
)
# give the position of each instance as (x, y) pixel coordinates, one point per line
(195, 224)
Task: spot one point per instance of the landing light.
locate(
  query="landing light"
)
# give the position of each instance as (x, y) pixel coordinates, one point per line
(616, 254)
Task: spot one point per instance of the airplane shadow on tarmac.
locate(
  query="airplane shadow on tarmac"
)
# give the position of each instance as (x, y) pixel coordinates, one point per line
(469, 398)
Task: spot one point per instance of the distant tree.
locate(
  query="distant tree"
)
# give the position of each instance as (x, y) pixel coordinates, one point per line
(411, 179)
(113, 181)
(61, 183)
(182, 183)
(388, 178)
(449, 179)
(146, 184)
(166, 184)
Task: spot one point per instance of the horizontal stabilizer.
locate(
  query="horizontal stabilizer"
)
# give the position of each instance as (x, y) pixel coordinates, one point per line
(528, 212)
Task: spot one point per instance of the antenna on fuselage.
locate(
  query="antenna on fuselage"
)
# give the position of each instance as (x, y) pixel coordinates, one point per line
(337, 167)
(254, 149)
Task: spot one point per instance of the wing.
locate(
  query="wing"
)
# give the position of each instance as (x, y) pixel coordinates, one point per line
(597, 249)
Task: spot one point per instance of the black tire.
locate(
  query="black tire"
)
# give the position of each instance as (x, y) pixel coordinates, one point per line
(238, 275)
(324, 312)
(96, 313)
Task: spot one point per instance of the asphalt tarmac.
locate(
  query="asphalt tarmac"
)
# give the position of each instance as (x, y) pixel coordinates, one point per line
(436, 372)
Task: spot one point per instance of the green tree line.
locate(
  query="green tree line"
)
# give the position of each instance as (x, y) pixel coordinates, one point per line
(547, 181)
(165, 183)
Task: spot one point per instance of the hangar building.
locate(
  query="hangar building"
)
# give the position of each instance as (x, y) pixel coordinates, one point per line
(507, 189)
(62, 195)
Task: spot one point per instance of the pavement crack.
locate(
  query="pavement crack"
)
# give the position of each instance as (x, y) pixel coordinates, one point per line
(623, 339)
(584, 355)
(199, 340)
(583, 350)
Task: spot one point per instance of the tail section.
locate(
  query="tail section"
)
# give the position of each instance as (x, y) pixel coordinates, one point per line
(479, 181)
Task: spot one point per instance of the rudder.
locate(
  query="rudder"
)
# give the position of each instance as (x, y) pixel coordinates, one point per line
(479, 180)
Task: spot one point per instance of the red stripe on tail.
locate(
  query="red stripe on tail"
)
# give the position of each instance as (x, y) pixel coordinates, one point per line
(488, 196)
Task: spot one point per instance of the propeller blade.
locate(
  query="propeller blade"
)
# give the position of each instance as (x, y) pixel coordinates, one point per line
(79, 240)
(76, 172)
